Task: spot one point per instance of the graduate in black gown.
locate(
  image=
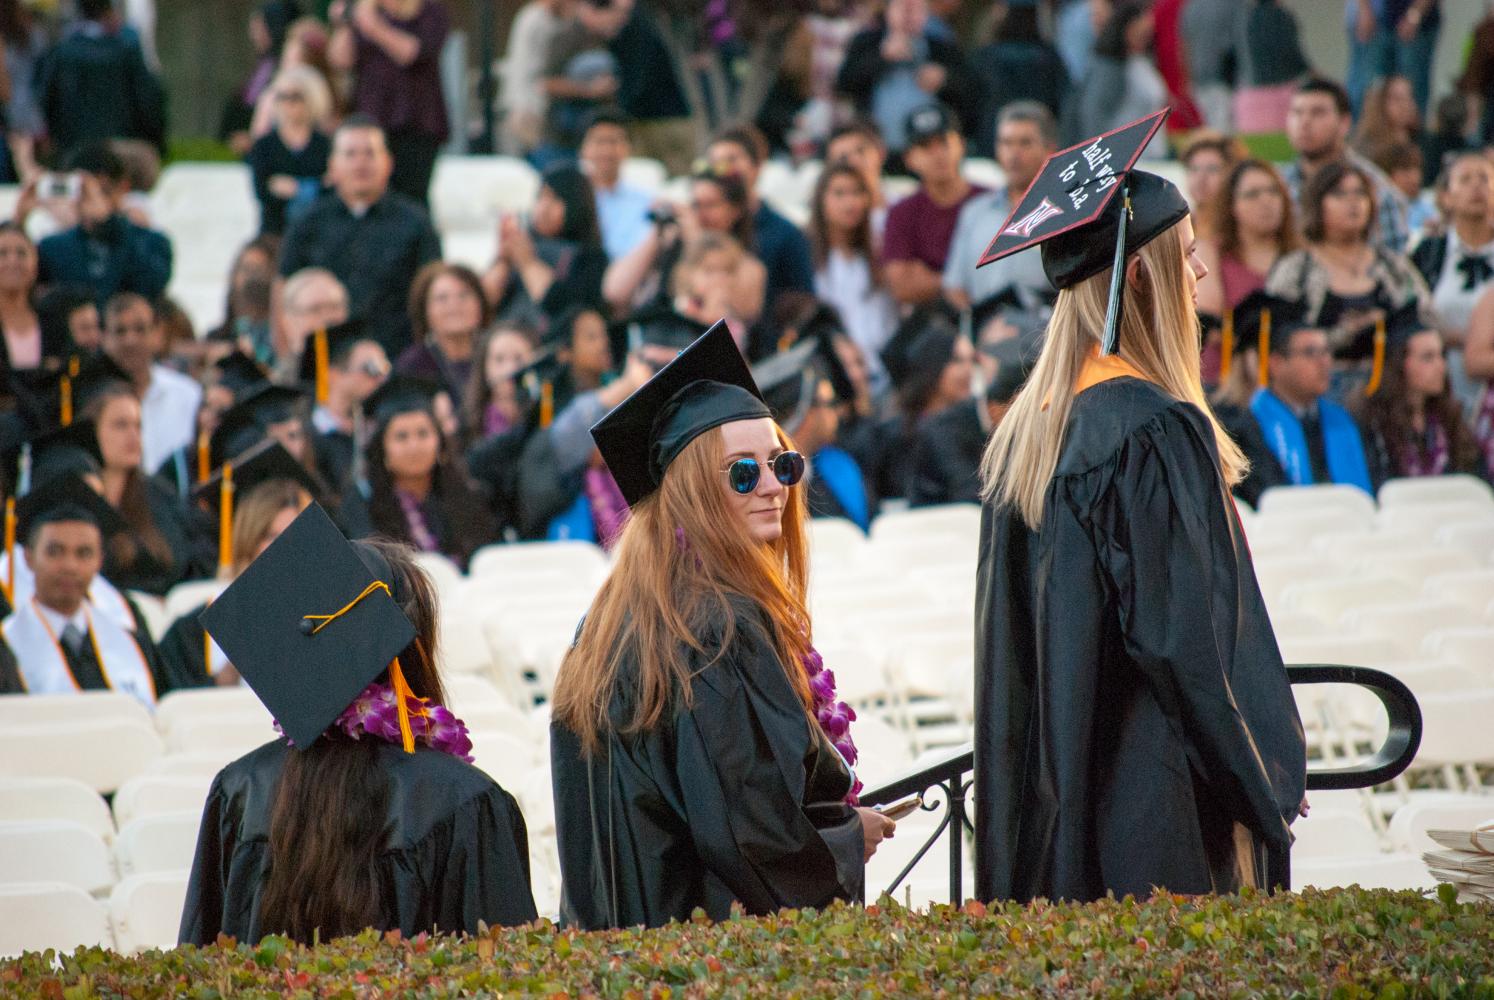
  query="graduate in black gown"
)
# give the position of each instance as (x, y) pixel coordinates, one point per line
(688, 768)
(1134, 723)
(367, 812)
(269, 489)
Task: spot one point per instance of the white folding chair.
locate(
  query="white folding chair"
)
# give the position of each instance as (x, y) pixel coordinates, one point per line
(835, 541)
(469, 192)
(1473, 588)
(1456, 737)
(960, 519)
(227, 733)
(190, 765)
(101, 754)
(1349, 503)
(145, 911)
(79, 707)
(1294, 530)
(1352, 651)
(154, 844)
(644, 173)
(521, 558)
(1475, 537)
(443, 573)
(188, 596)
(1435, 489)
(187, 704)
(1387, 871)
(153, 612)
(1409, 825)
(1473, 648)
(1414, 567)
(1426, 519)
(54, 851)
(1408, 621)
(1334, 833)
(160, 795)
(1329, 600)
(37, 915)
(29, 799)
(508, 759)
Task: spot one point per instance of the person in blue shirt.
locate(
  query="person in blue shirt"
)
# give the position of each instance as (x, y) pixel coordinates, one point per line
(622, 209)
(777, 242)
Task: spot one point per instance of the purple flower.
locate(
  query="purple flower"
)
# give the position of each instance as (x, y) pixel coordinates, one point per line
(822, 685)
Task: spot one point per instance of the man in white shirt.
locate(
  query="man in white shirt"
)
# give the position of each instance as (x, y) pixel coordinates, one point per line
(133, 337)
(622, 210)
(1026, 135)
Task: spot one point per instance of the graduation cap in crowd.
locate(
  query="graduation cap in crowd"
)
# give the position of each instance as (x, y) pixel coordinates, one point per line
(56, 398)
(69, 492)
(325, 349)
(707, 385)
(260, 463)
(401, 394)
(246, 422)
(52, 453)
(1015, 357)
(789, 381)
(661, 326)
(821, 327)
(545, 383)
(1392, 329)
(923, 341)
(91, 376)
(308, 643)
(240, 374)
(1089, 209)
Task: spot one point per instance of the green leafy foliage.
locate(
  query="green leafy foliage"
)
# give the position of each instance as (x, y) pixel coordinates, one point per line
(1349, 943)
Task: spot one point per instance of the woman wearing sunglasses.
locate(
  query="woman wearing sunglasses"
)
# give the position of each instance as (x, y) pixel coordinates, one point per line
(698, 754)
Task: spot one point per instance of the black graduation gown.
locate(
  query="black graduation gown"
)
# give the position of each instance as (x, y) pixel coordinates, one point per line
(183, 652)
(457, 850)
(189, 557)
(1265, 467)
(737, 797)
(1131, 705)
(946, 457)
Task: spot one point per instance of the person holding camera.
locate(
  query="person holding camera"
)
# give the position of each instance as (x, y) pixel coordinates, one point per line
(106, 251)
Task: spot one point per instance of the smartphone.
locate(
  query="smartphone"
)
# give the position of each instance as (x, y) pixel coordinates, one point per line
(59, 187)
(902, 807)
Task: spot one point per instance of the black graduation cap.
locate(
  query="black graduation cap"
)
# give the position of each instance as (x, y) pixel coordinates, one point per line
(94, 373)
(924, 340)
(263, 462)
(400, 394)
(74, 448)
(1015, 357)
(245, 423)
(239, 373)
(707, 385)
(547, 386)
(56, 398)
(662, 326)
(339, 339)
(69, 491)
(1072, 210)
(788, 381)
(822, 326)
(307, 643)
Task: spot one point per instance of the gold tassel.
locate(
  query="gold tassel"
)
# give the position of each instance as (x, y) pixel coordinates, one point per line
(1379, 369)
(547, 405)
(1227, 344)
(1263, 348)
(204, 457)
(66, 389)
(319, 345)
(10, 551)
(225, 520)
(402, 692)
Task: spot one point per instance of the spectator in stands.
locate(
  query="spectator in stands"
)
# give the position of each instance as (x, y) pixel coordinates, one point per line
(418, 490)
(356, 367)
(421, 837)
(447, 312)
(168, 399)
(69, 315)
(1343, 278)
(622, 209)
(740, 152)
(582, 345)
(581, 78)
(1387, 117)
(1478, 366)
(558, 262)
(188, 657)
(491, 403)
(860, 144)
(27, 346)
(1122, 83)
(289, 161)
(1210, 31)
(947, 449)
(1269, 65)
(1207, 159)
(1413, 425)
(1254, 226)
(716, 279)
(57, 643)
(311, 299)
(1446, 137)
(1303, 437)
(1318, 129)
(224, 383)
(372, 239)
(156, 550)
(268, 26)
(898, 66)
(246, 314)
(847, 273)
(1392, 37)
(105, 250)
(915, 246)
(1019, 65)
(522, 97)
(1459, 266)
(25, 44)
(1025, 135)
(305, 46)
(93, 85)
(393, 48)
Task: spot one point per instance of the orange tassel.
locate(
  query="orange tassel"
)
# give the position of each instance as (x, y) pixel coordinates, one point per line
(204, 457)
(10, 551)
(547, 405)
(1227, 345)
(1379, 369)
(225, 520)
(402, 693)
(1263, 348)
(66, 391)
(319, 345)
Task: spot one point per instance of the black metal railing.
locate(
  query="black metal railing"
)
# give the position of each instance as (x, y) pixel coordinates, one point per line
(950, 777)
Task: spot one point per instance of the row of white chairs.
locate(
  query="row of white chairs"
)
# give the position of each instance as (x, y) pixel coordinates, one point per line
(141, 912)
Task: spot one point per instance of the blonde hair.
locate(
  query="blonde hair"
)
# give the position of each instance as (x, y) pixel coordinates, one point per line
(254, 515)
(695, 253)
(1158, 335)
(681, 558)
(313, 87)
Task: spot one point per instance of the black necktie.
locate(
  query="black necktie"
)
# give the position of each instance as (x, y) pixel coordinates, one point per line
(1476, 270)
(72, 638)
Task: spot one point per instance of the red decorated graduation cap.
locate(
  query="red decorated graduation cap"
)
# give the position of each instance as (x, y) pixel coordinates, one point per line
(1089, 208)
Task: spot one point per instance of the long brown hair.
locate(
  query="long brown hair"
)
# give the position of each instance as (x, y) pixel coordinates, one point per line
(680, 559)
(327, 821)
(819, 226)
(479, 393)
(1158, 334)
(134, 504)
(1316, 190)
(1388, 414)
(420, 291)
(1228, 228)
(255, 514)
(1375, 131)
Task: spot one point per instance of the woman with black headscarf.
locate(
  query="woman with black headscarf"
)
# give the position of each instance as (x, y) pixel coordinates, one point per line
(558, 262)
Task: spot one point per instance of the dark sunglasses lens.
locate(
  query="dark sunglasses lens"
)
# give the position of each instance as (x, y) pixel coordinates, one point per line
(789, 468)
(743, 475)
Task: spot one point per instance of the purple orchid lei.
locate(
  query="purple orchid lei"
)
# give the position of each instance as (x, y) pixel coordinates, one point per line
(374, 713)
(835, 716)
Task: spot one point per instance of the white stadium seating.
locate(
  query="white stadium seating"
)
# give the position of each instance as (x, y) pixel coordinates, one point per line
(36, 915)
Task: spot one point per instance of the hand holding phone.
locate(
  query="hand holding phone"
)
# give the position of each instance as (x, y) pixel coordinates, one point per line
(902, 807)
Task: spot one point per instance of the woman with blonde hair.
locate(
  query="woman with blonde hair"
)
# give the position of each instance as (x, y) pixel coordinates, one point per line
(699, 756)
(1134, 724)
(289, 160)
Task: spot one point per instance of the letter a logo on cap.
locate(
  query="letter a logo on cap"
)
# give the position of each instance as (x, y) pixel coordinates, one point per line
(1024, 226)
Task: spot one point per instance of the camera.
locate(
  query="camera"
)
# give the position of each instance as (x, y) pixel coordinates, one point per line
(59, 186)
(661, 216)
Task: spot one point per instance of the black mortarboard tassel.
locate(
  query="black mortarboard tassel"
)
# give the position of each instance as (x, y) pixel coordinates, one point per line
(706, 386)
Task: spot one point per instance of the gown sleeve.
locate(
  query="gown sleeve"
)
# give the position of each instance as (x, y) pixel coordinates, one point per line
(10, 672)
(181, 653)
(202, 913)
(1163, 519)
(483, 866)
(741, 752)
